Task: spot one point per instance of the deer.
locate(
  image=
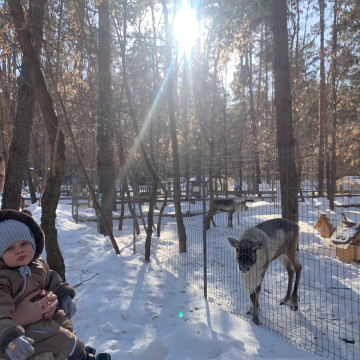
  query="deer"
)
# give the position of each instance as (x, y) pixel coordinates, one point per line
(230, 206)
(257, 247)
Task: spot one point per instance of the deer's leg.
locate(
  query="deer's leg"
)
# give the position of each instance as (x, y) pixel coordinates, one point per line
(290, 271)
(254, 297)
(212, 220)
(294, 296)
(230, 216)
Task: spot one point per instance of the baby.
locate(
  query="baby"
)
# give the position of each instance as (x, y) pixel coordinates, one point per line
(22, 271)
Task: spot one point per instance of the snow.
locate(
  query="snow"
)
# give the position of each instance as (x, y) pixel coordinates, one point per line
(137, 310)
(349, 179)
(345, 234)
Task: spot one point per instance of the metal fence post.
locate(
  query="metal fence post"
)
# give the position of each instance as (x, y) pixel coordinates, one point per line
(204, 235)
(134, 220)
(75, 200)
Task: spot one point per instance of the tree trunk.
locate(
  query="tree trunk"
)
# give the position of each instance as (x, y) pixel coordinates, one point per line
(322, 100)
(153, 194)
(211, 211)
(122, 209)
(184, 104)
(32, 189)
(51, 194)
(283, 112)
(211, 142)
(334, 110)
(19, 148)
(173, 131)
(133, 117)
(225, 136)
(105, 133)
(296, 82)
(163, 206)
(132, 209)
(253, 126)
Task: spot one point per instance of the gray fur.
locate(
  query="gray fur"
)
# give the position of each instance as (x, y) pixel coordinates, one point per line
(257, 247)
(230, 206)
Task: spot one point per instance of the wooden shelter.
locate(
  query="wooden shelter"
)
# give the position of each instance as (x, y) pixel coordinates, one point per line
(348, 184)
(346, 238)
(328, 223)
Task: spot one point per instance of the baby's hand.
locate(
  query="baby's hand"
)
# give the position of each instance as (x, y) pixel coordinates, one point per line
(34, 308)
(69, 306)
(39, 296)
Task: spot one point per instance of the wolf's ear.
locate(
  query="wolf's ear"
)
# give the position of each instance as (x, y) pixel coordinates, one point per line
(233, 242)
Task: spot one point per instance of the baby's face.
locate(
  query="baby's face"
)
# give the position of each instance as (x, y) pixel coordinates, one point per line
(19, 253)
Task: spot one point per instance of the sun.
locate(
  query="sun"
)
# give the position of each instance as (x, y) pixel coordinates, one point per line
(186, 27)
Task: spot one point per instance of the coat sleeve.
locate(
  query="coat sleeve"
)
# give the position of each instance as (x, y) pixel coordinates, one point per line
(56, 284)
(8, 328)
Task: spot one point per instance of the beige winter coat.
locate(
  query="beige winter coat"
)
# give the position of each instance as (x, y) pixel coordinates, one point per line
(54, 335)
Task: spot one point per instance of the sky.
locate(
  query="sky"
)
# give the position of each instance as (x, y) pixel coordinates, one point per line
(137, 310)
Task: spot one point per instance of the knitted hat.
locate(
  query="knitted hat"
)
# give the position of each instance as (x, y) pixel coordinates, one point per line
(12, 231)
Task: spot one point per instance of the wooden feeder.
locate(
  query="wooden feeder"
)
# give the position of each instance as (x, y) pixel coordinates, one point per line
(346, 238)
(328, 224)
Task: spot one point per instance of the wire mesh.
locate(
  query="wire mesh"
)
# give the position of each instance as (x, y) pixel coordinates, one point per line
(328, 319)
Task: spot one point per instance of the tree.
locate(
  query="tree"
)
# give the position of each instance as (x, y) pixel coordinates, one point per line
(105, 131)
(52, 191)
(19, 147)
(322, 101)
(253, 119)
(150, 167)
(283, 112)
(333, 107)
(173, 131)
(210, 138)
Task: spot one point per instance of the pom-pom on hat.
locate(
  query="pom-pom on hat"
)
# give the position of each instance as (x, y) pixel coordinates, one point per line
(13, 230)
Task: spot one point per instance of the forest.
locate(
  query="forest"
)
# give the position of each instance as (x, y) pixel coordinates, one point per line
(137, 92)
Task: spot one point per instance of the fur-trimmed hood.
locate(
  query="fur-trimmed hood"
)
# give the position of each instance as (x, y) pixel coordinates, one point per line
(31, 223)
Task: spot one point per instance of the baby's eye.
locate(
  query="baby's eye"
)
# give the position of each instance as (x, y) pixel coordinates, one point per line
(10, 248)
(25, 243)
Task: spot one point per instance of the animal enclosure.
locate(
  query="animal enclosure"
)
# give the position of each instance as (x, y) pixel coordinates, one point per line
(328, 319)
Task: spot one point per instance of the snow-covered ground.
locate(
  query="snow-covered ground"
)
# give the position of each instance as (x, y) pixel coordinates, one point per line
(139, 310)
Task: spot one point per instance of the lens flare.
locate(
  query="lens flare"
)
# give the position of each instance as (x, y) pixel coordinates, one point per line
(186, 27)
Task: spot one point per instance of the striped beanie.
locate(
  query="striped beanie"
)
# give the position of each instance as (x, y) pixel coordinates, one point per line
(12, 231)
